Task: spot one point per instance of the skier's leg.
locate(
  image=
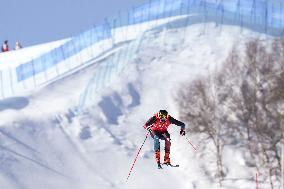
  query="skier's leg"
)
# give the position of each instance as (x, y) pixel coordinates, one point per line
(157, 148)
(167, 148)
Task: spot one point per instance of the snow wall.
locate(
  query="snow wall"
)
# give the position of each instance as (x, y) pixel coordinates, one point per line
(98, 42)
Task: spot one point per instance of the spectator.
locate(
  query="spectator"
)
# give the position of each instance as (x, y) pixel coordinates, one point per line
(5, 46)
(17, 46)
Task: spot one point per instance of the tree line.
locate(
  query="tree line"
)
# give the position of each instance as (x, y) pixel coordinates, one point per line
(242, 104)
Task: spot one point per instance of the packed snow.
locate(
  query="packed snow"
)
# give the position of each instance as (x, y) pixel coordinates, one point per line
(46, 142)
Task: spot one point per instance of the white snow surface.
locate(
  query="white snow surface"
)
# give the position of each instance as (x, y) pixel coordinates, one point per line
(46, 144)
(14, 58)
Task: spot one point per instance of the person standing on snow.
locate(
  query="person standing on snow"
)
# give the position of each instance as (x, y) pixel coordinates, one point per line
(5, 46)
(17, 46)
(157, 126)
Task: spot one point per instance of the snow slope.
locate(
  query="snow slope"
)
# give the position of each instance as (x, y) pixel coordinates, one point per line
(47, 143)
(15, 58)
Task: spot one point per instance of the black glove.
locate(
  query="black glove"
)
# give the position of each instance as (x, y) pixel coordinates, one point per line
(149, 129)
(182, 132)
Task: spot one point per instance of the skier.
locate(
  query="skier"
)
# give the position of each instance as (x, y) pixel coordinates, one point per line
(5, 46)
(17, 46)
(157, 126)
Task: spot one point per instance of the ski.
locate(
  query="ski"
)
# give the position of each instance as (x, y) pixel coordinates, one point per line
(167, 164)
(174, 165)
(171, 165)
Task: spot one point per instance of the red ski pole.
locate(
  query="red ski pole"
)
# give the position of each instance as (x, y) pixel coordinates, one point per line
(191, 144)
(137, 156)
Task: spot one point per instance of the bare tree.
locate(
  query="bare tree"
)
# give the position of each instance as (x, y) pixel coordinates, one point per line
(244, 100)
(200, 108)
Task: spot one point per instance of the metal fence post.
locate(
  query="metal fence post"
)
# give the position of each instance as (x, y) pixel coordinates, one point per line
(119, 24)
(56, 65)
(281, 13)
(126, 28)
(186, 22)
(43, 64)
(34, 79)
(204, 6)
(87, 43)
(252, 13)
(240, 16)
(222, 14)
(266, 16)
(105, 31)
(149, 10)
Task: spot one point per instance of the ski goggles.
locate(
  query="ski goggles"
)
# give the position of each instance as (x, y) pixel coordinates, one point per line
(162, 116)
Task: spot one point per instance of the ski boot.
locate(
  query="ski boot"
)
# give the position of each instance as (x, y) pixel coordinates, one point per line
(160, 166)
(167, 160)
(157, 157)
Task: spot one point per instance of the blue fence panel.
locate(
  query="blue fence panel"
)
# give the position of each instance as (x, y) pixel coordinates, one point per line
(139, 14)
(230, 5)
(171, 6)
(259, 13)
(25, 70)
(210, 5)
(39, 65)
(246, 7)
(56, 55)
(266, 14)
(277, 15)
(155, 10)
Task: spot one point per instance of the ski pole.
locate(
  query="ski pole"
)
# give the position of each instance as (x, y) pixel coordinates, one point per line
(190, 143)
(256, 179)
(137, 156)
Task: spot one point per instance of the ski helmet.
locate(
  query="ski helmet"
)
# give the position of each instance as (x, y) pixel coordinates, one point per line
(163, 114)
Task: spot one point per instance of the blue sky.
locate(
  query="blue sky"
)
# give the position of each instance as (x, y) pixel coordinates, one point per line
(38, 21)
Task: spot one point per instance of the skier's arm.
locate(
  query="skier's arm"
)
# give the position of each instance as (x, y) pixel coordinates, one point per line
(150, 122)
(177, 122)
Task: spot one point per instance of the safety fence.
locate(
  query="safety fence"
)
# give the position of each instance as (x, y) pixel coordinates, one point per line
(86, 48)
